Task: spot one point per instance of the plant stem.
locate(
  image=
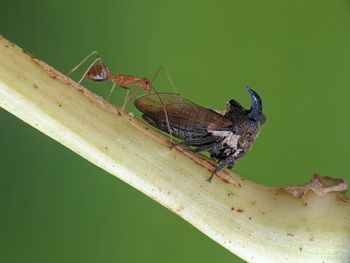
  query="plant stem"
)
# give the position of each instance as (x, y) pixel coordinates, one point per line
(308, 223)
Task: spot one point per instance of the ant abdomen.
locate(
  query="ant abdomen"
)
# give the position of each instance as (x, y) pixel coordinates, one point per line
(98, 72)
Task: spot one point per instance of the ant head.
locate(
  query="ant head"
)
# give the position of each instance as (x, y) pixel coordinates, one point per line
(98, 72)
(147, 85)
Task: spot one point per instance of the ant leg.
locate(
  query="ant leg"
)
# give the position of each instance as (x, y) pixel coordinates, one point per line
(126, 99)
(86, 72)
(111, 91)
(129, 97)
(168, 76)
(79, 65)
(83, 61)
(91, 65)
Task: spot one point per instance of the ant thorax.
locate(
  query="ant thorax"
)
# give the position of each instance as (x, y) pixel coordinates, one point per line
(126, 81)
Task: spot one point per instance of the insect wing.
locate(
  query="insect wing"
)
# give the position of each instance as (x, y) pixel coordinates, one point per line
(182, 113)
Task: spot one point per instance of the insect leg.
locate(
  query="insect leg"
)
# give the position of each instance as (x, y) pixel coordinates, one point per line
(126, 99)
(168, 76)
(111, 91)
(206, 147)
(228, 161)
(148, 120)
(86, 72)
(98, 58)
(129, 95)
(93, 53)
(200, 141)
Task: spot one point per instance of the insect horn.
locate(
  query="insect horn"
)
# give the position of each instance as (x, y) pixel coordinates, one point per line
(255, 112)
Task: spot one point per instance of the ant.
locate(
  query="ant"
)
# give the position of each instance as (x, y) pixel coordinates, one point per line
(98, 71)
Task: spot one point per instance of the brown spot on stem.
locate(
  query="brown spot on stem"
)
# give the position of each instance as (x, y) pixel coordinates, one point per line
(230, 194)
(179, 209)
(240, 210)
(343, 198)
(289, 234)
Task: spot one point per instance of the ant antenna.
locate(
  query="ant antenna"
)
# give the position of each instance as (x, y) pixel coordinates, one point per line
(168, 76)
(165, 113)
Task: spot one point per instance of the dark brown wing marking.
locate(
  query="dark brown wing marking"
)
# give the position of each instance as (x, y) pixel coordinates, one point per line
(182, 113)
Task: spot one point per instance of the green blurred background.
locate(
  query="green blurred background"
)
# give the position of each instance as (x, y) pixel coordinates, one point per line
(57, 207)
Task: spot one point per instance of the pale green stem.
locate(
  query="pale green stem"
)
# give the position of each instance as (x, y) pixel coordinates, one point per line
(255, 222)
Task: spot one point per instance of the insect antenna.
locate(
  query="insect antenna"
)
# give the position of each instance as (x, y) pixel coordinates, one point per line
(172, 84)
(165, 113)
